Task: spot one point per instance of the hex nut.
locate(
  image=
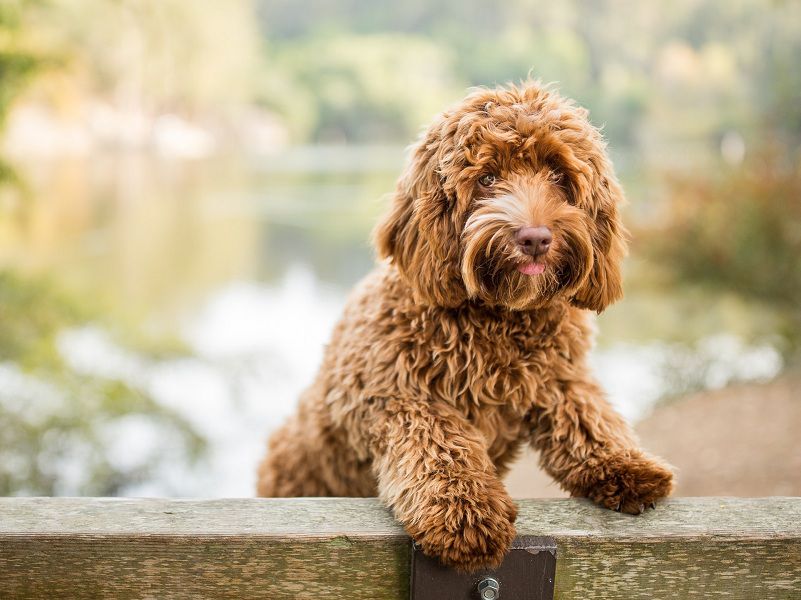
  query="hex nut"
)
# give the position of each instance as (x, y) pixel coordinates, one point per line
(489, 589)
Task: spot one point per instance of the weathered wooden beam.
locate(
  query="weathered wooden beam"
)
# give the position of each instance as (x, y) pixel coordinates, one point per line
(352, 548)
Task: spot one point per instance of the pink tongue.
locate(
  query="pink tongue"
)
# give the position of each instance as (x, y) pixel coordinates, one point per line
(531, 268)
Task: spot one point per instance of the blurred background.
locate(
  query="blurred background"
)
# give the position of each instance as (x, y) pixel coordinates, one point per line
(187, 190)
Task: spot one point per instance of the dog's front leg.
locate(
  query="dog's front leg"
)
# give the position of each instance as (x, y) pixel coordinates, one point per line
(434, 472)
(592, 452)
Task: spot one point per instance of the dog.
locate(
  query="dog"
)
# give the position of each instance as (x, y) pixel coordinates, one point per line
(470, 338)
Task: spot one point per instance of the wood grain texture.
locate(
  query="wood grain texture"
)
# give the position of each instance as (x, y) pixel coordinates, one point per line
(352, 548)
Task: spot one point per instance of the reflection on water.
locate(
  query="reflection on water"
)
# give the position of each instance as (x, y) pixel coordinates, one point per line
(247, 264)
(253, 348)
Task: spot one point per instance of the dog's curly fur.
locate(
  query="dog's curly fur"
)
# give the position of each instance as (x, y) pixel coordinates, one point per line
(449, 358)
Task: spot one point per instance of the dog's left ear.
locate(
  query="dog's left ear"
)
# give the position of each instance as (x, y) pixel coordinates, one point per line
(604, 285)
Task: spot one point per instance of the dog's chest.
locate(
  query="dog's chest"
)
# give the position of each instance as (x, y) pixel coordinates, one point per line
(481, 361)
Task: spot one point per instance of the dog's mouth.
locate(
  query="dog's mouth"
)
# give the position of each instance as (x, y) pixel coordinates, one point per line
(547, 273)
(531, 268)
(517, 282)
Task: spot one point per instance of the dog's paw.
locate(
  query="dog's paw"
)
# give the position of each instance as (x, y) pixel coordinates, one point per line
(631, 482)
(468, 532)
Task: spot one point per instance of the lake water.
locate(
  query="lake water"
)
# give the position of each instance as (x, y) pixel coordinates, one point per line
(243, 265)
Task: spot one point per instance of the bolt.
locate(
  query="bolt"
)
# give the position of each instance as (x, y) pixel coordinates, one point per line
(489, 589)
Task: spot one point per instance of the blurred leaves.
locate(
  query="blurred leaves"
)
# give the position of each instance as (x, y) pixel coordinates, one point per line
(18, 64)
(15, 69)
(152, 56)
(60, 429)
(651, 76)
(32, 313)
(738, 230)
(361, 88)
(360, 70)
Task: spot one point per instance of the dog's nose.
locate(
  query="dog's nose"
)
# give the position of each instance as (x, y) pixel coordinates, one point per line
(534, 241)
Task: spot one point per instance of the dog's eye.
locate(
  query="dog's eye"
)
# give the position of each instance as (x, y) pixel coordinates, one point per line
(487, 180)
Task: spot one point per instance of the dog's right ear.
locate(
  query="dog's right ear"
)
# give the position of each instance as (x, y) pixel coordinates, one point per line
(396, 235)
(391, 227)
(420, 233)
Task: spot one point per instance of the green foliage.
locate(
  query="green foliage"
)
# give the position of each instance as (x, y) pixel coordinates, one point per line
(738, 230)
(646, 74)
(162, 55)
(56, 424)
(17, 60)
(15, 70)
(32, 313)
(374, 87)
(360, 70)
(56, 439)
(17, 66)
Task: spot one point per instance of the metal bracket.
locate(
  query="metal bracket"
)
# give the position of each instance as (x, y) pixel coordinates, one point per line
(527, 573)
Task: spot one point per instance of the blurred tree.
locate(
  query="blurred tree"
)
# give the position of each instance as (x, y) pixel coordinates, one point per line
(60, 429)
(18, 63)
(365, 88)
(739, 231)
(159, 55)
(57, 426)
(141, 57)
(378, 70)
(652, 77)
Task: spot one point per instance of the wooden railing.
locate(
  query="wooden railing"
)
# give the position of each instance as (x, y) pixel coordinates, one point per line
(353, 549)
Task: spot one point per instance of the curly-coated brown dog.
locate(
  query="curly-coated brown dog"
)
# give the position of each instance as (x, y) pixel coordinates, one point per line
(472, 339)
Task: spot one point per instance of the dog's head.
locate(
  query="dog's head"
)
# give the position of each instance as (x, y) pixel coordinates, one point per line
(509, 199)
